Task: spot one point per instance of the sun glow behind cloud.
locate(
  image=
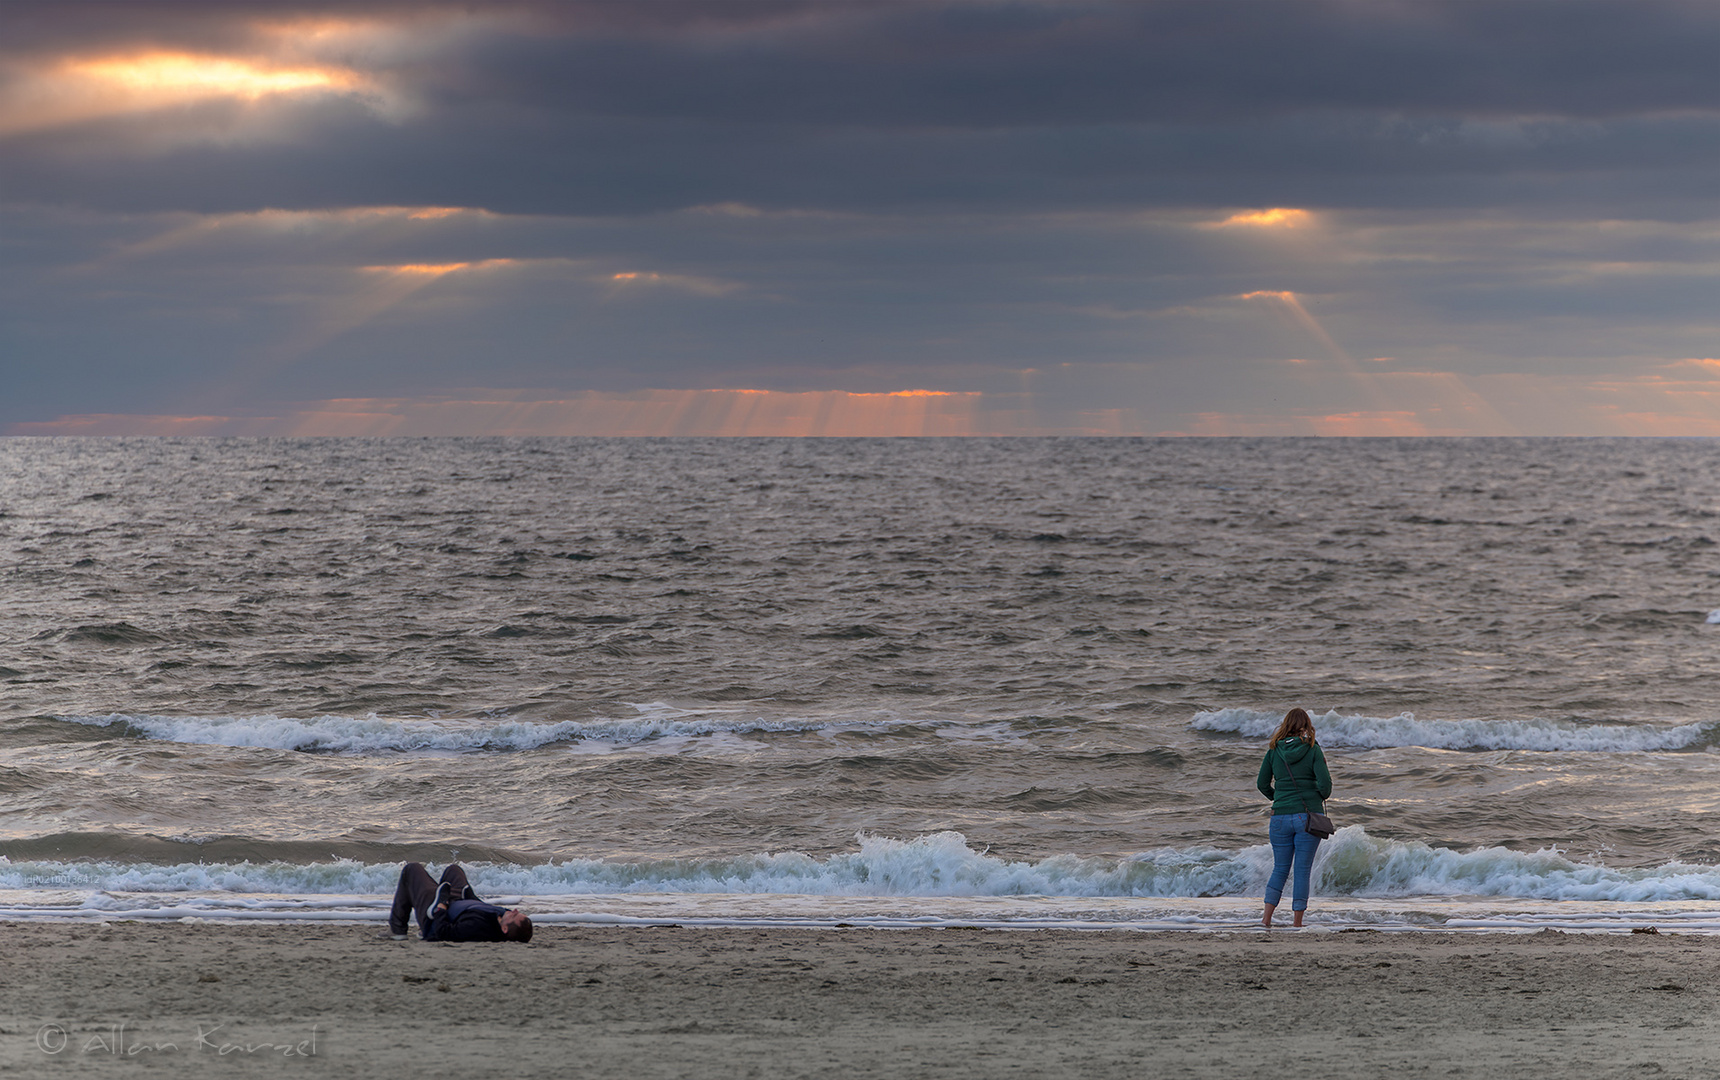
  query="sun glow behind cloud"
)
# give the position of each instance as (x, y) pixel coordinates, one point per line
(186, 76)
(228, 235)
(278, 60)
(438, 269)
(1288, 303)
(1277, 217)
(78, 89)
(383, 288)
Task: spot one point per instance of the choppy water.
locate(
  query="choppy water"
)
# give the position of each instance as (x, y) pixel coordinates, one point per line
(920, 675)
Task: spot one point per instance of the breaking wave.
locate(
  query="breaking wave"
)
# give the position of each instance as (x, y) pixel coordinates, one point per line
(1352, 863)
(1404, 729)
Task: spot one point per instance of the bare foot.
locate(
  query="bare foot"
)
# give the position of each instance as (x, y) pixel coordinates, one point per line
(1297, 921)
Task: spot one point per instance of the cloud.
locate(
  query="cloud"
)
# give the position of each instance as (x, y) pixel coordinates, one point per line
(436, 270)
(1163, 210)
(521, 160)
(973, 65)
(1277, 217)
(629, 280)
(200, 314)
(578, 109)
(78, 89)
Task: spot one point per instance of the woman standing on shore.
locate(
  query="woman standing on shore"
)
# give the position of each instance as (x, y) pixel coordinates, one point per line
(1293, 775)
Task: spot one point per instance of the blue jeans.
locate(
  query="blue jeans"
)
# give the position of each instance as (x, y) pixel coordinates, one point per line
(1291, 841)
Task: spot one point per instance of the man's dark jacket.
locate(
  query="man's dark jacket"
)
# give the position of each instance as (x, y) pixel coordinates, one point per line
(467, 920)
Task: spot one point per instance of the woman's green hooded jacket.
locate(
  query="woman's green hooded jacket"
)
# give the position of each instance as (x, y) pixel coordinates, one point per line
(1310, 784)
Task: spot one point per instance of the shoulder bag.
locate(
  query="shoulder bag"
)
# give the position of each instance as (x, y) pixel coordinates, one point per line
(1318, 824)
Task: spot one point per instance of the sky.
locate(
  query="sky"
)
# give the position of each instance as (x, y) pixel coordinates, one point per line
(805, 217)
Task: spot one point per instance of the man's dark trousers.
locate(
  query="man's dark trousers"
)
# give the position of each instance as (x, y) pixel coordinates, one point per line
(417, 891)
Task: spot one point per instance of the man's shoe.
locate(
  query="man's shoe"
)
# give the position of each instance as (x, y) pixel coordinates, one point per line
(444, 892)
(398, 933)
(470, 895)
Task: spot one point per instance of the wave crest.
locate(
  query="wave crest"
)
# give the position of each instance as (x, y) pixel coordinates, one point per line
(943, 864)
(1404, 729)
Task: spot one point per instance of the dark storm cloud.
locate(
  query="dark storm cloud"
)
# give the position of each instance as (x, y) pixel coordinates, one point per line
(966, 63)
(626, 108)
(1654, 166)
(1012, 64)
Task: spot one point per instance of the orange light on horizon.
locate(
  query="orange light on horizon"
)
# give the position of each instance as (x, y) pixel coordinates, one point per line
(1433, 403)
(1370, 422)
(742, 412)
(845, 393)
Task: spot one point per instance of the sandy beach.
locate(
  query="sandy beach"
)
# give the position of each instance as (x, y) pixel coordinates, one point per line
(337, 999)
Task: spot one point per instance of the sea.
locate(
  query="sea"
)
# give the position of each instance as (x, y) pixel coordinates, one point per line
(1013, 682)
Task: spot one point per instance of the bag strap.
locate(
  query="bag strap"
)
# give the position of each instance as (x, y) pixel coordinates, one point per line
(1290, 778)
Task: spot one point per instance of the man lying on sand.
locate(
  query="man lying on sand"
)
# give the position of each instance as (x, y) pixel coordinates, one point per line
(451, 911)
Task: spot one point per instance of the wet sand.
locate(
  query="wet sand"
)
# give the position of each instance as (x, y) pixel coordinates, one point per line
(130, 999)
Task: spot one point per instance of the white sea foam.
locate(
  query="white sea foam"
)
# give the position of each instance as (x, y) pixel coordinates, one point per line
(1354, 863)
(1351, 864)
(1404, 729)
(373, 734)
(1714, 616)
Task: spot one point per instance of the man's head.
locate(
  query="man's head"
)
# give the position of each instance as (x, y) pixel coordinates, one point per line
(515, 926)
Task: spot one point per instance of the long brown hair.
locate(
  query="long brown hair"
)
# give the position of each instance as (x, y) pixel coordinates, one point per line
(1297, 722)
